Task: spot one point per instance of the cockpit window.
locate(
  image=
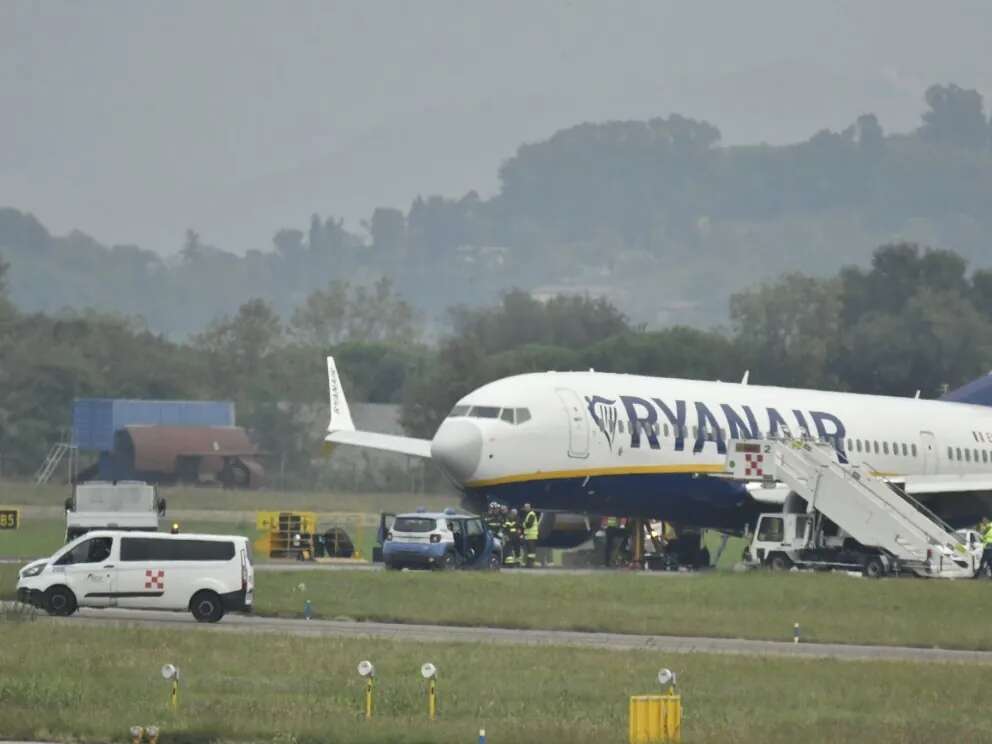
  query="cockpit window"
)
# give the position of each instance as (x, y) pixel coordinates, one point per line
(486, 412)
(509, 415)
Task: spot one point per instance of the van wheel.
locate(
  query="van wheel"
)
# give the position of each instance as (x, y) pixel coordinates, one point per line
(447, 562)
(59, 600)
(779, 562)
(206, 607)
(874, 568)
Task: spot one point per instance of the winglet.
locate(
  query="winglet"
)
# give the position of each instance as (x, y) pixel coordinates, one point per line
(340, 415)
(744, 379)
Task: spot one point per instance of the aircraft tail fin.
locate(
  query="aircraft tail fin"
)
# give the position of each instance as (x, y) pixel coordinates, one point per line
(977, 392)
(340, 413)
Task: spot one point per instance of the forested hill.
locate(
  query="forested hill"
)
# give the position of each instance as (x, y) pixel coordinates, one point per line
(656, 215)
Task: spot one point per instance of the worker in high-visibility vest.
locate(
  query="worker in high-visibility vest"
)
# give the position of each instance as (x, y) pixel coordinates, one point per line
(985, 529)
(531, 523)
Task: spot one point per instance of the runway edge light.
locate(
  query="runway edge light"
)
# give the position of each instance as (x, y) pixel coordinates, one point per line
(367, 669)
(170, 673)
(429, 672)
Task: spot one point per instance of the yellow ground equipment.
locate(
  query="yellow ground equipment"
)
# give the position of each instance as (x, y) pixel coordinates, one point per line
(287, 534)
(655, 718)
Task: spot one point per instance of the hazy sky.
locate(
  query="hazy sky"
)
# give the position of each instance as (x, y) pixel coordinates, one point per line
(135, 120)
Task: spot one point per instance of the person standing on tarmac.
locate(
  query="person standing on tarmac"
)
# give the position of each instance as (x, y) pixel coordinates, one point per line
(494, 519)
(511, 529)
(985, 529)
(530, 534)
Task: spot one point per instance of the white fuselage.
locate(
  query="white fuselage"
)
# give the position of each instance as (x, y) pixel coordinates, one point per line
(590, 435)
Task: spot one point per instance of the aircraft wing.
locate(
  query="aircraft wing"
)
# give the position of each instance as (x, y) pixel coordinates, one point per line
(341, 428)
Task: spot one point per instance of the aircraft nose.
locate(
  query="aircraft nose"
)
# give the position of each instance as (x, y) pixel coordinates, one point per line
(457, 448)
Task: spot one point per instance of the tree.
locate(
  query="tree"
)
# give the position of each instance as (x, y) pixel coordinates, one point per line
(340, 312)
(388, 230)
(289, 243)
(956, 117)
(898, 271)
(240, 346)
(937, 339)
(787, 332)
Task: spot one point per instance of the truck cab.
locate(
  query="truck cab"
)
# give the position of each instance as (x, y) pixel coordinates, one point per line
(810, 540)
(105, 505)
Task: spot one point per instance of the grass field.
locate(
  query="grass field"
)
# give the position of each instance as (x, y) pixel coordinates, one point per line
(829, 608)
(72, 683)
(761, 605)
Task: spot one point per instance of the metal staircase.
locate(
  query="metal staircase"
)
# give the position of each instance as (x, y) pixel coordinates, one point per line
(59, 451)
(866, 507)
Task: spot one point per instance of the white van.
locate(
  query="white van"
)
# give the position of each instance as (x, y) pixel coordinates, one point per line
(205, 574)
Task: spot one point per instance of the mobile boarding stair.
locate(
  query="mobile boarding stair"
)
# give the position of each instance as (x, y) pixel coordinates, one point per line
(866, 507)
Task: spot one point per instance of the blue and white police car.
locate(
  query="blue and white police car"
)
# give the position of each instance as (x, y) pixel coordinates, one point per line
(441, 540)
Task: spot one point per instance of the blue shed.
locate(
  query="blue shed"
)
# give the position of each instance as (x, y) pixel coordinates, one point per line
(96, 420)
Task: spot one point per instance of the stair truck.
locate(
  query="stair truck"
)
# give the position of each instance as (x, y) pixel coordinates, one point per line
(842, 516)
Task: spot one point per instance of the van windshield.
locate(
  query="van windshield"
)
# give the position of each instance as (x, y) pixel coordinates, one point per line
(413, 524)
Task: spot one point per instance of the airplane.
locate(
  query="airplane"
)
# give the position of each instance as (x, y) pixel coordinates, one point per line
(654, 447)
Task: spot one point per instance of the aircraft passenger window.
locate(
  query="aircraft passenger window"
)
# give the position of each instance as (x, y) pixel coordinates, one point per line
(459, 411)
(507, 415)
(905, 451)
(914, 450)
(950, 453)
(876, 445)
(486, 412)
(985, 455)
(850, 445)
(523, 414)
(666, 430)
(857, 444)
(967, 454)
(958, 453)
(620, 426)
(885, 447)
(976, 455)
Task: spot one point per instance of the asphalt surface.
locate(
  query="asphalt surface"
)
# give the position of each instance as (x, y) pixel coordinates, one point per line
(457, 634)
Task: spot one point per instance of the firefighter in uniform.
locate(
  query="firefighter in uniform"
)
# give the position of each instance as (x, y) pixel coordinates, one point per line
(531, 523)
(494, 519)
(511, 531)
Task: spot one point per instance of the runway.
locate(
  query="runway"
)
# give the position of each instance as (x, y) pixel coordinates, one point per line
(457, 634)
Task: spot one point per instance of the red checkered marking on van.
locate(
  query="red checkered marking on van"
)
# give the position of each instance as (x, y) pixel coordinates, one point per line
(154, 579)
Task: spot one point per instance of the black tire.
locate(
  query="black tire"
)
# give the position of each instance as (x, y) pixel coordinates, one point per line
(60, 601)
(206, 607)
(447, 562)
(874, 568)
(779, 562)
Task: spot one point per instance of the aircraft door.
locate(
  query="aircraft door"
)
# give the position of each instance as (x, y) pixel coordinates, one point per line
(928, 449)
(578, 423)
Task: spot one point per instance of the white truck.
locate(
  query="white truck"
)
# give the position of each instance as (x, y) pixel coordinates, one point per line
(123, 505)
(841, 516)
